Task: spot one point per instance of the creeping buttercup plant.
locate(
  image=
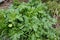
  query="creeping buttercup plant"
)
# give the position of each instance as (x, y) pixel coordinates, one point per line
(27, 21)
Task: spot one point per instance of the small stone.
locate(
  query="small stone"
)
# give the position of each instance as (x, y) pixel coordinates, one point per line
(1, 1)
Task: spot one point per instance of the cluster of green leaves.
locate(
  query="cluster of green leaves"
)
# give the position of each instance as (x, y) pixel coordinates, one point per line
(54, 7)
(27, 21)
(16, 2)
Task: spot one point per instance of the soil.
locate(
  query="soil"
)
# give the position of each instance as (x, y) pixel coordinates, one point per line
(5, 4)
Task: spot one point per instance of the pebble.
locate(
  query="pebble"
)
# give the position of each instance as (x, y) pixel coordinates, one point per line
(1, 1)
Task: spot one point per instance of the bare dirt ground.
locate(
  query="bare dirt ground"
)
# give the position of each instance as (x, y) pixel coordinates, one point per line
(5, 4)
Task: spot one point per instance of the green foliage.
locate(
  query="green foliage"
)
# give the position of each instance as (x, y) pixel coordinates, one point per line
(53, 6)
(27, 22)
(16, 2)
